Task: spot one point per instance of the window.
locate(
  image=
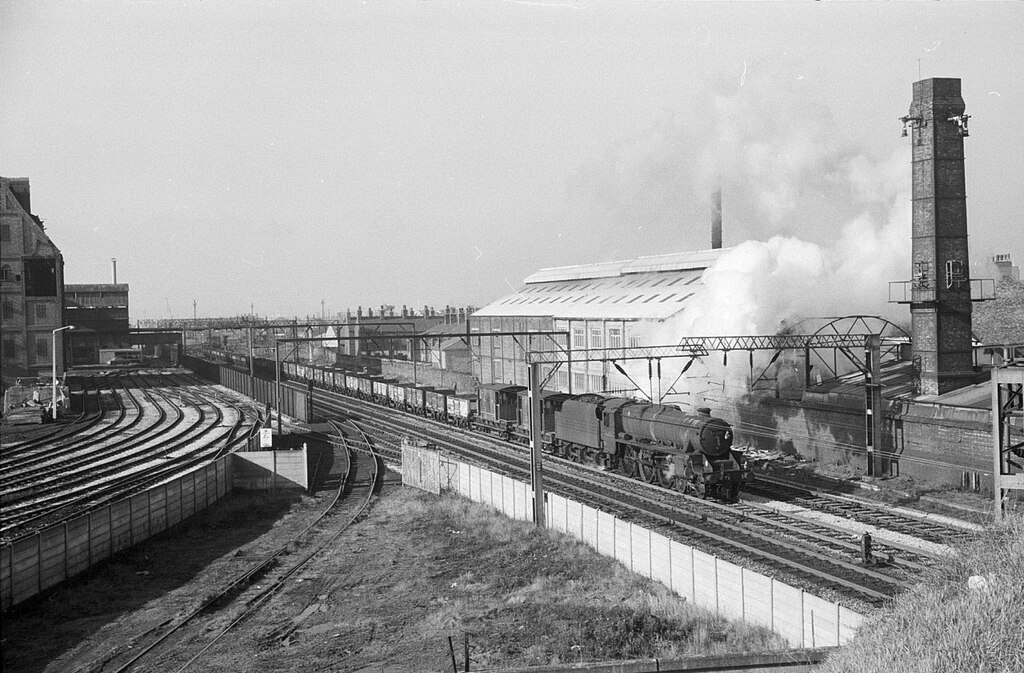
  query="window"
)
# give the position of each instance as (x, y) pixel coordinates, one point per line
(596, 383)
(634, 342)
(579, 339)
(7, 310)
(40, 277)
(596, 338)
(614, 337)
(579, 382)
(40, 311)
(42, 347)
(9, 348)
(5, 233)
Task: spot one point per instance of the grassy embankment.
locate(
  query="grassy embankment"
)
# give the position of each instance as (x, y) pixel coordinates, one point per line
(943, 625)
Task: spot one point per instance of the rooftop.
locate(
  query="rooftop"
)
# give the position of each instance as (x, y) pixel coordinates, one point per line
(650, 288)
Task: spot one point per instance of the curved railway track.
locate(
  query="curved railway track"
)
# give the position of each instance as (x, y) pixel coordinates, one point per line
(182, 644)
(156, 432)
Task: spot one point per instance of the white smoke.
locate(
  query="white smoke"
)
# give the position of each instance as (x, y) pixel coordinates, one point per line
(827, 224)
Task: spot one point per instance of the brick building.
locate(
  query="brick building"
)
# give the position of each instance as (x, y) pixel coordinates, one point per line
(31, 287)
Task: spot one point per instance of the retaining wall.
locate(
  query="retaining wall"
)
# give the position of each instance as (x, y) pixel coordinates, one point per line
(270, 470)
(803, 619)
(40, 561)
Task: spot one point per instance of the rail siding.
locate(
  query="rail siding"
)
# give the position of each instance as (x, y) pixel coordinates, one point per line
(803, 619)
(35, 563)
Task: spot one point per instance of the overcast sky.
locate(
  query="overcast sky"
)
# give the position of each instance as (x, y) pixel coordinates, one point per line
(280, 154)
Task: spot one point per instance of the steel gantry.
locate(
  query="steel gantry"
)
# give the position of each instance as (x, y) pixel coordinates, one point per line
(1007, 434)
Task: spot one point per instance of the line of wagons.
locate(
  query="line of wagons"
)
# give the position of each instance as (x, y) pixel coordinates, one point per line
(656, 443)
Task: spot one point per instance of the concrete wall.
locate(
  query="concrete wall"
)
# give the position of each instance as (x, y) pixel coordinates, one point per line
(803, 619)
(43, 560)
(269, 470)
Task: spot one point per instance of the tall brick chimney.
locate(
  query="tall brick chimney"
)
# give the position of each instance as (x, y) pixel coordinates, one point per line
(941, 287)
(716, 219)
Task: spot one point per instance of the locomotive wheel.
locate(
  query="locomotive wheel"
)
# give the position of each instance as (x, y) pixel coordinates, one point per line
(646, 467)
(629, 463)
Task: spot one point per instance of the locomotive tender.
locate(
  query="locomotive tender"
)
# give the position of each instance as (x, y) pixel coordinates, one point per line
(655, 443)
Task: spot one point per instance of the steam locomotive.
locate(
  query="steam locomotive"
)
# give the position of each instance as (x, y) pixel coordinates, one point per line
(655, 443)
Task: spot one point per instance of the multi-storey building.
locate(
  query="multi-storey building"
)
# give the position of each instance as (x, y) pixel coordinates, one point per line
(31, 287)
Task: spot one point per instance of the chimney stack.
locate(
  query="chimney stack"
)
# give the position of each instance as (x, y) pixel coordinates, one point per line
(940, 309)
(716, 218)
(113, 260)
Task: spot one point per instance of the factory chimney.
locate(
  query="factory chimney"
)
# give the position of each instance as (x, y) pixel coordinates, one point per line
(113, 260)
(716, 219)
(940, 306)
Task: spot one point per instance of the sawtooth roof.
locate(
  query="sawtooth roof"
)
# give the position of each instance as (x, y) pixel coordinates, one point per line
(647, 288)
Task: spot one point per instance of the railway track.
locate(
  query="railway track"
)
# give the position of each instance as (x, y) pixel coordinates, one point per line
(816, 553)
(856, 510)
(182, 644)
(155, 433)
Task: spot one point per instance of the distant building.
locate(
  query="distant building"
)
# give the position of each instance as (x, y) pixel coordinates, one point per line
(1006, 268)
(378, 335)
(31, 287)
(100, 316)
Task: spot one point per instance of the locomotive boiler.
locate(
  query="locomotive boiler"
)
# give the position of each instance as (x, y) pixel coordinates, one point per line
(656, 443)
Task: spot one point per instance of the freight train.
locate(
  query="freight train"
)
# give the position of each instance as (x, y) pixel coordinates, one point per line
(655, 443)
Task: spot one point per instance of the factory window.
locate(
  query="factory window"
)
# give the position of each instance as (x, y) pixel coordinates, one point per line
(41, 277)
(5, 233)
(596, 340)
(42, 347)
(579, 382)
(579, 339)
(634, 342)
(596, 383)
(614, 337)
(9, 348)
(40, 311)
(7, 309)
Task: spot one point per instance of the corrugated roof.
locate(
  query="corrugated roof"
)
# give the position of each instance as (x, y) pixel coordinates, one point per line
(648, 288)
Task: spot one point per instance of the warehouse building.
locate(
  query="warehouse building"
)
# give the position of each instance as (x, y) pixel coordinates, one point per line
(604, 305)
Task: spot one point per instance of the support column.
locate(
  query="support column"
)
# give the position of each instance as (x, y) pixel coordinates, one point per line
(536, 445)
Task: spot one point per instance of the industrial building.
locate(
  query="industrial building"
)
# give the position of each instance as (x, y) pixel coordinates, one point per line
(605, 305)
(99, 313)
(31, 288)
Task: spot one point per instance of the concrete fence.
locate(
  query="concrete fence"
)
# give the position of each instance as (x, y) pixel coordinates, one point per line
(732, 591)
(33, 564)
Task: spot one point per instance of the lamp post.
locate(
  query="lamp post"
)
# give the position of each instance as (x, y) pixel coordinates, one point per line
(53, 358)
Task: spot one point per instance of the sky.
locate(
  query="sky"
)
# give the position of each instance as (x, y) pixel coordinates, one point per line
(290, 157)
